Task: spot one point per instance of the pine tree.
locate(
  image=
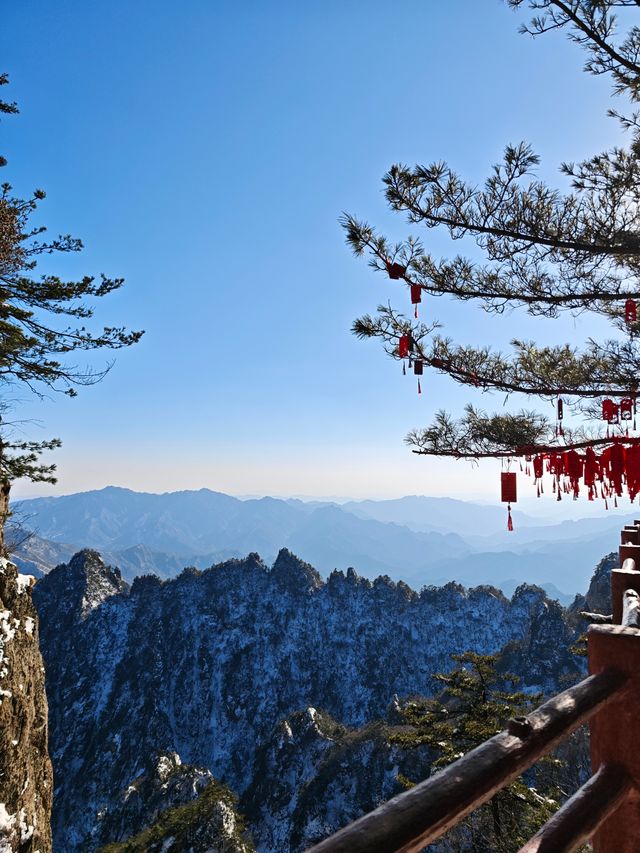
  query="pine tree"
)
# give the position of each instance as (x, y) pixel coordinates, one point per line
(545, 252)
(474, 705)
(35, 341)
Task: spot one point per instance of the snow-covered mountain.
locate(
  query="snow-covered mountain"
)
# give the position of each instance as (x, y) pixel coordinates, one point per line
(270, 679)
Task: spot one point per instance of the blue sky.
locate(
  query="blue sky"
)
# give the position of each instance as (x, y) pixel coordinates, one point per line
(205, 150)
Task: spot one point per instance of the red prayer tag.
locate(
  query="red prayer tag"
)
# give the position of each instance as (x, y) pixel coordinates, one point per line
(509, 487)
(630, 311)
(395, 271)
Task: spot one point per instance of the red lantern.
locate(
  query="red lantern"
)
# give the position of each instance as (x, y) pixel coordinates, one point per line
(417, 367)
(610, 411)
(626, 409)
(630, 312)
(395, 271)
(403, 346)
(416, 294)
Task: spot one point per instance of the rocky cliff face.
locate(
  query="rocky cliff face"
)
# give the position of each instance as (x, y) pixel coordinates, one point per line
(173, 807)
(25, 770)
(210, 664)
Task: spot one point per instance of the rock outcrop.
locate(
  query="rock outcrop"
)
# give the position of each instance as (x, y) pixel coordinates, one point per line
(172, 807)
(26, 784)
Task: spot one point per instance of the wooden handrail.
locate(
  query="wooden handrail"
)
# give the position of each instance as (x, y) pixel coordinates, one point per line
(406, 823)
(606, 810)
(582, 815)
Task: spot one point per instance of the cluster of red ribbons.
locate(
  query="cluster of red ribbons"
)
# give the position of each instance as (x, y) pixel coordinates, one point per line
(607, 474)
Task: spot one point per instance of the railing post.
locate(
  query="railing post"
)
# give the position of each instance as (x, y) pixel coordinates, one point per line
(615, 730)
(627, 576)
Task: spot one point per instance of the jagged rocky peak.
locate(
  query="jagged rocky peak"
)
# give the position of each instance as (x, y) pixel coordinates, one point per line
(25, 768)
(83, 583)
(294, 574)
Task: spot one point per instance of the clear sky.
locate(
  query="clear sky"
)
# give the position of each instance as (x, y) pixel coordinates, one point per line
(205, 150)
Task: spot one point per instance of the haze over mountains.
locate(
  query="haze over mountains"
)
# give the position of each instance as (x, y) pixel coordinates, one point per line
(421, 540)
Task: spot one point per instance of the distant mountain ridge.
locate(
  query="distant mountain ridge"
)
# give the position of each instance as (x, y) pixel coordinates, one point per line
(420, 540)
(206, 523)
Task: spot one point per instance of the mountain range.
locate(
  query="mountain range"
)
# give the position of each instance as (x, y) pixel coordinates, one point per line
(278, 684)
(420, 540)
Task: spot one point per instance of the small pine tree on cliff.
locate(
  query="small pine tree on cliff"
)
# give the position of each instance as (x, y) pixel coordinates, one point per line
(474, 705)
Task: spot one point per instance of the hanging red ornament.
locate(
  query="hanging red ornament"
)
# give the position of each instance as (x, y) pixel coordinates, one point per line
(626, 409)
(416, 297)
(610, 411)
(509, 488)
(538, 466)
(395, 271)
(417, 367)
(612, 468)
(630, 312)
(560, 409)
(509, 493)
(573, 464)
(403, 346)
(590, 472)
(419, 387)
(616, 467)
(632, 469)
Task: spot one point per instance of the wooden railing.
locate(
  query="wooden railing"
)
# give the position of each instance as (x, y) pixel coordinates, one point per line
(606, 810)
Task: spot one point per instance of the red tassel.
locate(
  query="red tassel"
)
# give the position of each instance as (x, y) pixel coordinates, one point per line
(415, 312)
(419, 388)
(404, 369)
(509, 519)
